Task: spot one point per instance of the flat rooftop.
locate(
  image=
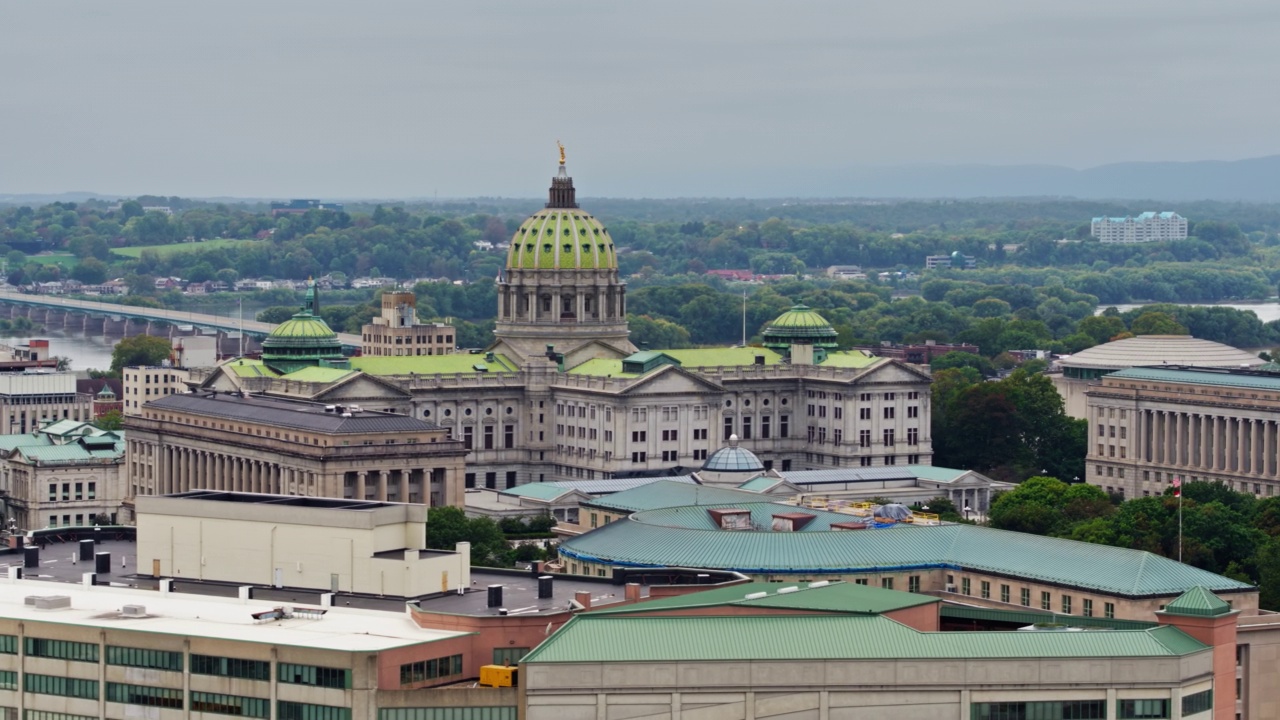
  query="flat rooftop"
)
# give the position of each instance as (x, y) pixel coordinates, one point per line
(344, 628)
(520, 595)
(281, 500)
(292, 414)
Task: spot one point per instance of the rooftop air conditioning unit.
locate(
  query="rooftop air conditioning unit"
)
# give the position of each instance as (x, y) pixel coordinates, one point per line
(950, 588)
(134, 611)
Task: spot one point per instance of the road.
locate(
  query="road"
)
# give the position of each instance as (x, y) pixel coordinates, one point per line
(175, 317)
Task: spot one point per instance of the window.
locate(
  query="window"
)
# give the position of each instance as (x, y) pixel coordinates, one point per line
(728, 427)
(985, 590)
(764, 427)
(886, 583)
(62, 650)
(1025, 598)
(64, 686)
(864, 438)
(509, 436)
(1086, 607)
(888, 436)
(286, 710)
(746, 428)
(424, 670)
(913, 411)
(8, 680)
(230, 667)
(913, 584)
(1197, 702)
(639, 436)
(491, 480)
(313, 675)
(1046, 601)
(488, 437)
(888, 413)
(639, 457)
(784, 425)
(511, 478)
(1130, 709)
(1109, 610)
(1044, 710)
(965, 586)
(230, 705)
(468, 437)
(143, 658)
(1004, 593)
(1066, 604)
(913, 436)
(509, 655)
(469, 480)
(864, 413)
(148, 695)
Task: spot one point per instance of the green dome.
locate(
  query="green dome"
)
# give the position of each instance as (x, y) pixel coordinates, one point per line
(799, 326)
(302, 329)
(561, 239)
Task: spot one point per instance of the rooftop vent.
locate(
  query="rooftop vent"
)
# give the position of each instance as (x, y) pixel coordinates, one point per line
(730, 518)
(134, 611)
(791, 522)
(49, 602)
(756, 595)
(848, 526)
(788, 589)
(820, 583)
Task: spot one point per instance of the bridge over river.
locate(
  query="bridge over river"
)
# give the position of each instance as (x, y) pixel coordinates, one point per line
(127, 320)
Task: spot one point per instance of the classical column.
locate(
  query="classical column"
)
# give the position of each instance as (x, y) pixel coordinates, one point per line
(404, 485)
(360, 484)
(382, 484)
(1202, 461)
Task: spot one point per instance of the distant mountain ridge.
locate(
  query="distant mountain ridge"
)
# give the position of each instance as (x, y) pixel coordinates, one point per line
(1250, 180)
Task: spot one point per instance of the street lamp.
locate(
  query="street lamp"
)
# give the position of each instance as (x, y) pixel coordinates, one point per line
(967, 510)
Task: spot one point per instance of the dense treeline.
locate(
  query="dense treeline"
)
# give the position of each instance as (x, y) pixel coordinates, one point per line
(1223, 531)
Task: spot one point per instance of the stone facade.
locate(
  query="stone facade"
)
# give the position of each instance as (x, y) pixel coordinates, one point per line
(28, 400)
(397, 332)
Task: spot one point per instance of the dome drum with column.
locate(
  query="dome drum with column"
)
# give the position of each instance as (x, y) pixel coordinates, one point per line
(304, 340)
(801, 326)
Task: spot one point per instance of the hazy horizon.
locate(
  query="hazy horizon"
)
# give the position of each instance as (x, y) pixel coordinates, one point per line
(744, 99)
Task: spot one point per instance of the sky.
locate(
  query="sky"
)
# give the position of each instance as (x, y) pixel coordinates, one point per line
(718, 98)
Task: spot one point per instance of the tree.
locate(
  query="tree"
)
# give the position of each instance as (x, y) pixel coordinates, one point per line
(447, 526)
(90, 271)
(276, 314)
(139, 350)
(1157, 323)
(110, 420)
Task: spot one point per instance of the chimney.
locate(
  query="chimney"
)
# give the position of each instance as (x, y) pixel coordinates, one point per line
(633, 592)
(583, 598)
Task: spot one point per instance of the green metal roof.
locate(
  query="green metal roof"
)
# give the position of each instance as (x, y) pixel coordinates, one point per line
(837, 597)
(760, 484)
(538, 490)
(1199, 602)
(319, 374)
(453, 364)
(1201, 377)
(855, 359)
(619, 638)
(602, 367)
(936, 473)
(671, 534)
(801, 317)
(1027, 616)
(723, 357)
(666, 494)
(561, 239)
(303, 326)
(249, 367)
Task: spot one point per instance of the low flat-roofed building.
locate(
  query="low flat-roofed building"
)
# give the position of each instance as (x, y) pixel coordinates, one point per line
(252, 443)
(348, 546)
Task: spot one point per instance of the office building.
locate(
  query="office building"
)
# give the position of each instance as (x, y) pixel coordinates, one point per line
(31, 399)
(66, 473)
(1147, 227)
(397, 332)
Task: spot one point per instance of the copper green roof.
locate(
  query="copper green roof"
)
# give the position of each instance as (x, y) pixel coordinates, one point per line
(836, 597)
(539, 491)
(799, 326)
(302, 327)
(593, 637)
(319, 374)
(670, 526)
(723, 357)
(249, 367)
(1201, 376)
(601, 367)
(561, 239)
(453, 364)
(1199, 602)
(849, 359)
(801, 317)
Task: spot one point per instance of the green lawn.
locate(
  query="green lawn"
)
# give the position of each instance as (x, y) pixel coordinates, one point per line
(163, 250)
(66, 260)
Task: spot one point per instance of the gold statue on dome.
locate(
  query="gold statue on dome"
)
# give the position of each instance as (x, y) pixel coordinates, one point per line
(561, 146)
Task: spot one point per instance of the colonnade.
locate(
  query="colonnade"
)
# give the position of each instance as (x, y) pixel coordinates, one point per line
(1209, 442)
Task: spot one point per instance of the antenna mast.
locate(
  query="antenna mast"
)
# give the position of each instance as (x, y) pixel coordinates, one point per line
(744, 318)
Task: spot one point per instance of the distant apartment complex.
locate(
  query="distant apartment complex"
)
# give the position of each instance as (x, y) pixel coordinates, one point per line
(957, 260)
(1147, 227)
(298, 207)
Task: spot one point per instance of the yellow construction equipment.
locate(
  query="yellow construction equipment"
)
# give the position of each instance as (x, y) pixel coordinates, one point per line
(499, 676)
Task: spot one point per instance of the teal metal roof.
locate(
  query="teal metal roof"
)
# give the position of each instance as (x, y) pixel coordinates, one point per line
(684, 537)
(1027, 616)
(836, 597)
(539, 491)
(665, 494)
(606, 638)
(1198, 602)
(760, 484)
(1201, 377)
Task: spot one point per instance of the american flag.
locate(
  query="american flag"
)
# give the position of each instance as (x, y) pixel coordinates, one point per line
(1177, 487)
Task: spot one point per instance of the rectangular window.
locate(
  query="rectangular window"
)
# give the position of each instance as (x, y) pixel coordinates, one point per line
(764, 427)
(8, 680)
(511, 478)
(1197, 702)
(886, 583)
(1086, 607)
(313, 675)
(9, 644)
(913, 436)
(1043, 710)
(143, 658)
(509, 436)
(1004, 593)
(888, 436)
(888, 413)
(469, 480)
(58, 685)
(913, 411)
(148, 695)
(1066, 604)
(984, 590)
(1145, 709)
(491, 480)
(286, 710)
(864, 438)
(913, 583)
(488, 437)
(424, 670)
(62, 649)
(1025, 597)
(746, 428)
(230, 667)
(1046, 601)
(965, 586)
(784, 426)
(468, 437)
(1109, 610)
(230, 705)
(728, 427)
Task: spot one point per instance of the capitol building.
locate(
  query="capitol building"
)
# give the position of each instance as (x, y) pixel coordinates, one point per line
(563, 393)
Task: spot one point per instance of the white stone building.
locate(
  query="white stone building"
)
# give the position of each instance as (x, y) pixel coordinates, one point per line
(65, 474)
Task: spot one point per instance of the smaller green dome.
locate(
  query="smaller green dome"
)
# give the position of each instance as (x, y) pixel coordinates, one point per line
(303, 328)
(799, 326)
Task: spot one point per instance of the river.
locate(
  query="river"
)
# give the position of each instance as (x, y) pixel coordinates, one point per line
(1265, 311)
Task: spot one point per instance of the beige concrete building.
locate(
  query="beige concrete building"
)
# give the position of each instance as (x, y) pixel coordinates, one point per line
(142, 384)
(67, 473)
(30, 399)
(221, 441)
(1075, 373)
(397, 332)
(359, 547)
(1150, 425)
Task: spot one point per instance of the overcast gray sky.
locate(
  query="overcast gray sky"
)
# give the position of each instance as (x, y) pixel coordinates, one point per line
(714, 98)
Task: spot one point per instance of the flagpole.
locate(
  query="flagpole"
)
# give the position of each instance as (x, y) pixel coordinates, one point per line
(1178, 483)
